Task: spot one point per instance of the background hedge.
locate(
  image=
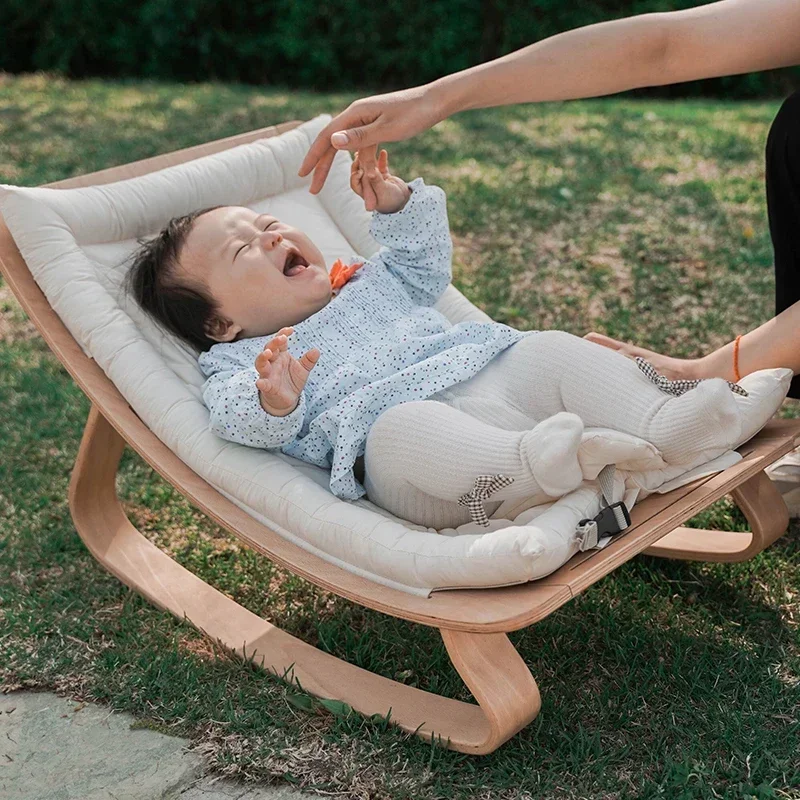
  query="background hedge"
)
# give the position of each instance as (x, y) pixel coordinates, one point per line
(319, 44)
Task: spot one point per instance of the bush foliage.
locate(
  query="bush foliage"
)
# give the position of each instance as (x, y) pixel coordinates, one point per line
(337, 44)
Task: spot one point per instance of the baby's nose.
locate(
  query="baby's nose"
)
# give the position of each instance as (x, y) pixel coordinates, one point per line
(270, 239)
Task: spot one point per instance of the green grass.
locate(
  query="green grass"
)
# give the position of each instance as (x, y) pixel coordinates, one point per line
(645, 220)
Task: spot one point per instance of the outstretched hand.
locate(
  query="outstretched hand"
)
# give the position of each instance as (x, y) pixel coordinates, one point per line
(365, 123)
(281, 376)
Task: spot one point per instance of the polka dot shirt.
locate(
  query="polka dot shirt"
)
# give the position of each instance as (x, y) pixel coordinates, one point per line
(381, 344)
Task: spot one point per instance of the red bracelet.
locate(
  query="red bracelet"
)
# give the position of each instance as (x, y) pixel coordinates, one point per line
(736, 376)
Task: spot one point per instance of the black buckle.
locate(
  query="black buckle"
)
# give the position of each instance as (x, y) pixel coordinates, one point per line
(606, 520)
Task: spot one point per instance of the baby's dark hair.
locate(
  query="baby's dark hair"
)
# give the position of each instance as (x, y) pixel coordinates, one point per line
(179, 308)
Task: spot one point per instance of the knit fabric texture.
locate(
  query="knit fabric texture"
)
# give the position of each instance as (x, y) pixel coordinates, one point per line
(523, 416)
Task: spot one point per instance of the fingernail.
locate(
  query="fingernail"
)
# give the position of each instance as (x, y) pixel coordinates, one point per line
(339, 138)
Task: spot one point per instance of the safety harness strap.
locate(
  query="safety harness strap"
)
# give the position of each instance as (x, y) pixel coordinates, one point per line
(612, 519)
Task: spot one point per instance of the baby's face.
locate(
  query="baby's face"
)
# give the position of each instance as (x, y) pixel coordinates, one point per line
(264, 274)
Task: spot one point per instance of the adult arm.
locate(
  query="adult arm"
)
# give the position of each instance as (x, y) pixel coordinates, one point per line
(773, 344)
(722, 38)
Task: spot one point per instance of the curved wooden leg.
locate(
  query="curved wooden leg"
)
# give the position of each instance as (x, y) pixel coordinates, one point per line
(764, 509)
(493, 671)
(489, 664)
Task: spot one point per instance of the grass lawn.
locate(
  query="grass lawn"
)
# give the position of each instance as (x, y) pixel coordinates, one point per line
(644, 220)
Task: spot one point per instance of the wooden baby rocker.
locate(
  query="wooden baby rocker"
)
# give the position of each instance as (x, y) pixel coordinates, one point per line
(473, 622)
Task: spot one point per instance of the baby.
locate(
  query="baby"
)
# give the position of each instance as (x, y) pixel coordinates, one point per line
(439, 416)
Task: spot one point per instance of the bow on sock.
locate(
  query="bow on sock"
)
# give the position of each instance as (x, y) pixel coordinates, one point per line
(485, 486)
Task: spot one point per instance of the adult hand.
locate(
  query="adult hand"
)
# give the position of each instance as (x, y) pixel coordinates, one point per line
(365, 123)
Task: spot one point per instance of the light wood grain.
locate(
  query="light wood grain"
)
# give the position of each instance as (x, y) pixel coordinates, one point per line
(492, 669)
(764, 509)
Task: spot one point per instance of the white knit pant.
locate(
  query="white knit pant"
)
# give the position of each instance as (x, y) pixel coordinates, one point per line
(421, 456)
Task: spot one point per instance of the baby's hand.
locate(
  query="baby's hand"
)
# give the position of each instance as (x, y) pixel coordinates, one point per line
(382, 191)
(282, 376)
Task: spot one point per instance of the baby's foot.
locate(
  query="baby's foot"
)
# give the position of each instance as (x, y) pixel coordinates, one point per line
(706, 418)
(552, 452)
(676, 369)
(723, 419)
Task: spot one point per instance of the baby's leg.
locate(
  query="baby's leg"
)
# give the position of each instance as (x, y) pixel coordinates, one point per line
(421, 456)
(554, 371)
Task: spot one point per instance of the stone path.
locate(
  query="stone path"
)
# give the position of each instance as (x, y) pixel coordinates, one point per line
(57, 749)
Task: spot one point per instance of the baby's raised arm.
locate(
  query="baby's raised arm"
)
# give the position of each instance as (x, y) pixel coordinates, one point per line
(417, 248)
(411, 221)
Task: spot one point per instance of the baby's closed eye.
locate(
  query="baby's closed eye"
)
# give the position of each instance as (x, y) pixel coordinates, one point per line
(269, 224)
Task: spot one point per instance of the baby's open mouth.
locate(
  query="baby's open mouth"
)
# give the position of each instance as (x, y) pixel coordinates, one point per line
(294, 264)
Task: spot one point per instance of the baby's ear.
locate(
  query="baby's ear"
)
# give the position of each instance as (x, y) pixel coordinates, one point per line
(222, 330)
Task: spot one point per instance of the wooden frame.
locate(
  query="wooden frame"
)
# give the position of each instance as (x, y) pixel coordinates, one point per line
(473, 622)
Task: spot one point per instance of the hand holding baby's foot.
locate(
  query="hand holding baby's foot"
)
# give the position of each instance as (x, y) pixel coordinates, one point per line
(371, 180)
(676, 369)
(281, 375)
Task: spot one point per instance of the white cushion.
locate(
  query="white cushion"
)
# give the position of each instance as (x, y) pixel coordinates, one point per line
(75, 242)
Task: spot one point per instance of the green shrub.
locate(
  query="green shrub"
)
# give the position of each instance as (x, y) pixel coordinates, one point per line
(306, 43)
